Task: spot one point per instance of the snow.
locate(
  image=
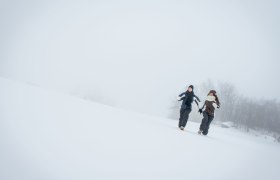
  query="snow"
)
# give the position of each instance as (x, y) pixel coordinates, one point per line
(49, 135)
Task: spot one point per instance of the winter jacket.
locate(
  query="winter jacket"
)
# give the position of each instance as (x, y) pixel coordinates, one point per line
(208, 104)
(187, 98)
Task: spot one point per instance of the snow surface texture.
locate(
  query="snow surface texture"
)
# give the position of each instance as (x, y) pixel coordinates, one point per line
(47, 135)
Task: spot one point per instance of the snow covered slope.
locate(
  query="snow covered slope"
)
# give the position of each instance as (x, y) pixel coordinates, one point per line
(46, 135)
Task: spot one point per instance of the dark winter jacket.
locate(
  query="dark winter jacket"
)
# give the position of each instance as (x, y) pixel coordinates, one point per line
(208, 104)
(187, 98)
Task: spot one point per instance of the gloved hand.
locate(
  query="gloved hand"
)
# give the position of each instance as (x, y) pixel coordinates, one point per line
(218, 106)
(179, 98)
(200, 110)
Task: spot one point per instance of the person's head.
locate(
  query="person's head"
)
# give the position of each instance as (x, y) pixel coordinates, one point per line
(190, 88)
(214, 93)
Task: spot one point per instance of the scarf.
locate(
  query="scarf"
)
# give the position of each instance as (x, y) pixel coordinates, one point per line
(211, 98)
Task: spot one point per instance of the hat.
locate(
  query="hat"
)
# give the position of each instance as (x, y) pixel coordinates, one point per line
(213, 91)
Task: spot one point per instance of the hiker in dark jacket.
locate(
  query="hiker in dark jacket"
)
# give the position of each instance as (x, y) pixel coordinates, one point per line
(186, 106)
(208, 112)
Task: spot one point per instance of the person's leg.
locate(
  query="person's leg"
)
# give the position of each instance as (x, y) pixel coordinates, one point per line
(186, 117)
(210, 119)
(204, 121)
(182, 111)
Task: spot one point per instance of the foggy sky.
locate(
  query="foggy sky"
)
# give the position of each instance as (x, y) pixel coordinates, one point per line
(139, 54)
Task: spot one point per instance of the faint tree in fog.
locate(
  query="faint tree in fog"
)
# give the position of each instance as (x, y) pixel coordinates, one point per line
(228, 98)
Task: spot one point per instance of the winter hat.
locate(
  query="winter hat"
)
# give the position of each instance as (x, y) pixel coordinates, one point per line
(191, 86)
(213, 91)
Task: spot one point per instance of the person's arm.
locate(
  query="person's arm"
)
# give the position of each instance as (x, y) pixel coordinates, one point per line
(217, 101)
(196, 98)
(196, 103)
(201, 109)
(180, 98)
(218, 104)
(180, 95)
(203, 105)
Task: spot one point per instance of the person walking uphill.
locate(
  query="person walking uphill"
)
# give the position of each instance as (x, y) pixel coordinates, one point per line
(186, 106)
(208, 113)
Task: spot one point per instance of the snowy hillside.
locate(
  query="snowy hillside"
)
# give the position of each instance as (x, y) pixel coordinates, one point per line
(46, 135)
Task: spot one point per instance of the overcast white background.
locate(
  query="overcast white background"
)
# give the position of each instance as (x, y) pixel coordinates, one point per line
(139, 54)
